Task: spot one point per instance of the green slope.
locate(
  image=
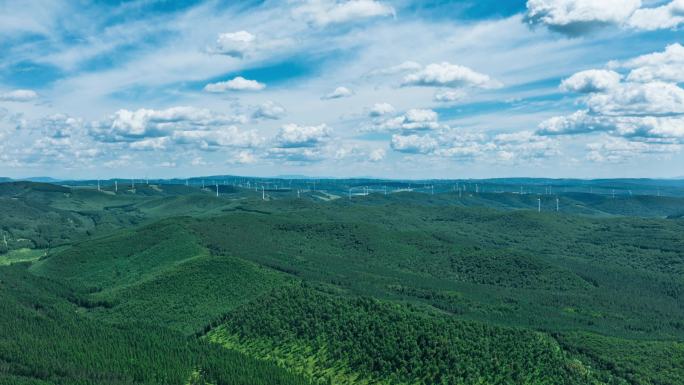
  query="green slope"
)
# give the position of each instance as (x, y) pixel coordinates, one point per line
(191, 295)
(362, 340)
(44, 340)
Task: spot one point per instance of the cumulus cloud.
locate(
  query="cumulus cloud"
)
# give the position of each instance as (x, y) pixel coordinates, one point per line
(61, 125)
(230, 136)
(338, 93)
(242, 157)
(269, 110)
(414, 144)
(380, 109)
(580, 16)
(126, 125)
(448, 75)
(576, 17)
(635, 99)
(325, 12)
(618, 150)
(667, 16)
(149, 144)
(235, 44)
(645, 128)
(447, 96)
(509, 148)
(665, 66)
(591, 81)
(296, 136)
(237, 84)
(412, 120)
(377, 155)
(647, 107)
(18, 96)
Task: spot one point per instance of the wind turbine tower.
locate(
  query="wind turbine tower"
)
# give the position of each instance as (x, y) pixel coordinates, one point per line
(538, 205)
(557, 204)
(116, 186)
(217, 190)
(263, 193)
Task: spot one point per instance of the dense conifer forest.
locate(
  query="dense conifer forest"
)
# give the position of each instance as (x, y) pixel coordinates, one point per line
(169, 284)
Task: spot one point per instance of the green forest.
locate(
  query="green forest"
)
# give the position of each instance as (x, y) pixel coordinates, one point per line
(170, 284)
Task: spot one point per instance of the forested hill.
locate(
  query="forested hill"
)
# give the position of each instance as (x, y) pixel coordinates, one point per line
(174, 285)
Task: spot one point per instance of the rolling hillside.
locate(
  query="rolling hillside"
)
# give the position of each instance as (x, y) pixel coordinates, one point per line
(405, 288)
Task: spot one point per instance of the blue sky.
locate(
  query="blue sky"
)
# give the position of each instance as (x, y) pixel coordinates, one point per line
(401, 89)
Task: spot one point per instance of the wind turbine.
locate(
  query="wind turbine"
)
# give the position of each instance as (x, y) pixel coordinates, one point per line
(217, 190)
(557, 204)
(116, 186)
(98, 185)
(263, 193)
(538, 205)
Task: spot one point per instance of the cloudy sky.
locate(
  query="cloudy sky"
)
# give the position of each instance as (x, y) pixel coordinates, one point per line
(401, 89)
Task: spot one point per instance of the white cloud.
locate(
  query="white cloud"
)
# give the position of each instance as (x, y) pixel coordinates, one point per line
(448, 75)
(61, 126)
(666, 66)
(667, 16)
(229, 136)
(639, 99)
(446, 96)
(269, 110)
(377, 155)
(414, 144)
(235, 44)
(339, 92)
(380, 109)
(242, 157)
(299, 155)
(237, 84)
(580, 122)
(296, 136)
(325, 12)
(648, 128)
(397, 69)
(18, 96)
(148, 144)
(619, 150)
(126, 125)
(580, 16)
(591, 81)
(413, 120)
(643, 109)
(575, 17)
